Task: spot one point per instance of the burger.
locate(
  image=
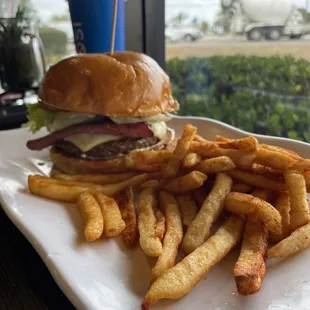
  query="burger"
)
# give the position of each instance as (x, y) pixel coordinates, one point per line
(99, 108)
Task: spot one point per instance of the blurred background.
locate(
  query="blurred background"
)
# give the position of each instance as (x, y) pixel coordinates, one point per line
(243, 62)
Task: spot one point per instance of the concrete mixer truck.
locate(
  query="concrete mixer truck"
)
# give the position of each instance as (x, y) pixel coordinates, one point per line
(268, 19)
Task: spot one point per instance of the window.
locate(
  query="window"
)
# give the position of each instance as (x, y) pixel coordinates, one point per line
(243, 62)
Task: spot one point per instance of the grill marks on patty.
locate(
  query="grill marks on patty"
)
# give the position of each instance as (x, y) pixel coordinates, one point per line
(108, 149)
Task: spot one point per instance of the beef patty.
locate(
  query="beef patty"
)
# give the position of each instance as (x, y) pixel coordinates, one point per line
(109, 149)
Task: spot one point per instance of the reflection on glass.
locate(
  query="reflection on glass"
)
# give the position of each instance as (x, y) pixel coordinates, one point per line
(249, 68)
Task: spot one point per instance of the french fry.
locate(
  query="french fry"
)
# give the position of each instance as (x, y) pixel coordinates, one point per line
(160, 226)
(280, 150)
(173, 236)
(57, 190)
(186, 183)
(263, 194)
(219, 138)
(150, 157)
(282, 204)
(299, 214)
(212, 207)
(149, 242)
(301, 165)
(268, 172)
(307, 180)
(239, 203)
(292, 154)
(191, 160)
(298, 241)
(274, 159)
(206, 149)
(96, 178)
(92, 215)
(125, 201)
(241, 188)
(215, 165)
(141, 167)
(182, 148)
(150, 184)
(68, 191)
(113, 222)
(188, 209)
(256, 180)
(199, 138)
(247, 144)
(250, 268)
(177, 281)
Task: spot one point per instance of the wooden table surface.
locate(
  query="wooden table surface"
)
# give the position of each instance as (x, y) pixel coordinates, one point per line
(25, 282)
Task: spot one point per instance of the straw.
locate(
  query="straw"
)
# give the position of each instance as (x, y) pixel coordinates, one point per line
(113, 27)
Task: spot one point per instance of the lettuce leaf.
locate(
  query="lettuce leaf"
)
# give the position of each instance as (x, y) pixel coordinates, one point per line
(38, 118)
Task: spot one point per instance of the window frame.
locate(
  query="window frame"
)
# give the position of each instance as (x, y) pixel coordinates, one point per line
(145, 28)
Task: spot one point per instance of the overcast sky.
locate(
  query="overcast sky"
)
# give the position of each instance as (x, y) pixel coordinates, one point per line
(203, 9)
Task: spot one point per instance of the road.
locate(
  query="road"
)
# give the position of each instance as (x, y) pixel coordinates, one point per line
(228, 45)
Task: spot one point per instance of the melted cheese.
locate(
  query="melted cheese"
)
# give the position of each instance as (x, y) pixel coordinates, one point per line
(86, 141)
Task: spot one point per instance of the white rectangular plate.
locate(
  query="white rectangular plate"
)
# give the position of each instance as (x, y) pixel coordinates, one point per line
(103, 274)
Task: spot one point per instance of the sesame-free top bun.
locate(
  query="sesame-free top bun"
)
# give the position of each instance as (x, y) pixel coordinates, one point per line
(118, 85)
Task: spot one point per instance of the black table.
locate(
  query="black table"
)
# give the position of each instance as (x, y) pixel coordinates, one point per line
(25, 282)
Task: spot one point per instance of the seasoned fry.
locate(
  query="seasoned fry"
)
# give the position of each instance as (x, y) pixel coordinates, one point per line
(177, 281)
(298, 241)
(160, 226)
(68, 191)
(113, 222)
(250, 268)
(199, 229)
(280, 150)
(96, 178)
(215, 165)
(150, 184)
(92, 215)
(206, 149)
(186, 183)
(56, 190)
(247, 144)
(125, 201)
(173, 236)
(150, 157)
(299, 213)
(263, 194)
(182, 148)
(282, 204)
(199, 138)
(268, 172)
(301, 165)
(188, 209)
(149, 242)
(241, 188)
(191, 160)
(239, 203)
(307, 180)
(274, 159)
(256, 180)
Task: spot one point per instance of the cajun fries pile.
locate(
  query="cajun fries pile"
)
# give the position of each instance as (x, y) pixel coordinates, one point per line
(168, 201)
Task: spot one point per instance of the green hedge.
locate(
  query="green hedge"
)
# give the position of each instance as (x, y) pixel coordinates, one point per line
(258, 94)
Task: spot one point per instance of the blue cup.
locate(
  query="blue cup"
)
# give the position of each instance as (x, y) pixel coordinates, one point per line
(92, 25)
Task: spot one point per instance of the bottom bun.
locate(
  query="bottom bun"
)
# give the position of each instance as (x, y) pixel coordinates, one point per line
(74, 165)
